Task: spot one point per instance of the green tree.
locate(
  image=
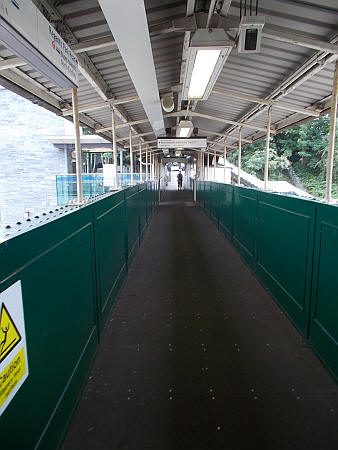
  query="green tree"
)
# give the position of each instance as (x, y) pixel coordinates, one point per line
(304, 147)
(253, 160)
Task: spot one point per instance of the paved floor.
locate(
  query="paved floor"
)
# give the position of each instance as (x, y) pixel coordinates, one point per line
(198, 356)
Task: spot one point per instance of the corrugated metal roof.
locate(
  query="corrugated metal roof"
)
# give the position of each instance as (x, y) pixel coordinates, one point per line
(277, 72)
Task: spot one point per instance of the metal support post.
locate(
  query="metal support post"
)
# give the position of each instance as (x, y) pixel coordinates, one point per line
(121, 160)
(141, 168)
(195, 189)
(150, 166)
(77, 146)
(215, 164)
(208, 161)
(199, 175)
(239, 156)
(154, 167)
(267, 149)
(202, 177)
(332, 137)
(116, 179)
(131, 157)
(225, 157)
(147, 173)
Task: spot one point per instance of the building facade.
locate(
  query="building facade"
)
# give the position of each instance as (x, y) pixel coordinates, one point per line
(36, 147)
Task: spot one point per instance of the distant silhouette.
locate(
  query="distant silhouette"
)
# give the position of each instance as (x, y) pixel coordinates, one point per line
(179, 181)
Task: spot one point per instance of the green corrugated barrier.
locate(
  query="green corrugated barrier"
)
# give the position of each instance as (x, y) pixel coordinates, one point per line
(71, 270)
(292, 246)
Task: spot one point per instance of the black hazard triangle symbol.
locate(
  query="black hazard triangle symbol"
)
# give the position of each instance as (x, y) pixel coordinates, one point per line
(9, 334)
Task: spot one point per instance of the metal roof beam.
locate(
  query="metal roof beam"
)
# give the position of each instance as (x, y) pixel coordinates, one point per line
(183, 113)
(221, 143)
(217, 119)
(300, 40)
(135, 49)
(189, 24)
(179, 25)
(262, 101)
(10, 63)
(190, 7)
(225, 8)
(100, 105)
(249, 141)
(93, 44)
(145, 143)
(135, 136)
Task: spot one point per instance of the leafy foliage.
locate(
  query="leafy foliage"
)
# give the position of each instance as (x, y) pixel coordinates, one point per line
(253, 160)
(303, 147)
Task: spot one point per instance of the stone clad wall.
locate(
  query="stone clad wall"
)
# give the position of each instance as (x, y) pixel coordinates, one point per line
(28, 162)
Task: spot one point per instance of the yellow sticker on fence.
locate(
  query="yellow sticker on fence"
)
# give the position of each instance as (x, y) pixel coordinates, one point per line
(12, 375)
(13, 347)
(9, 335)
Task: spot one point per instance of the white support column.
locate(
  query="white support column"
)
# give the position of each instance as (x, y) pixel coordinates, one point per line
(215, 164)
(147, 172)
(152, 165)
(131, 157)
(150, 169)
(239, 156)
(267, 149)
(202, 167)
(77, 146)
(116, 178)
(332, 137)
(155, 167)
(225, 157)
(141, 168)
(208, 161)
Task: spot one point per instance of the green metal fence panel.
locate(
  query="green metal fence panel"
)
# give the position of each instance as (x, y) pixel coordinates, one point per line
(244, 222)
(214, 198)
(292, 245)
(204, 195)
(149, 200)
(132, 221)
(110, 249)
(71, 270)
(207, 188)
(199, 192)
(154, 192)
(55, 264)
(285, 232)
(324, 309)
(143, 208)
(225, 209)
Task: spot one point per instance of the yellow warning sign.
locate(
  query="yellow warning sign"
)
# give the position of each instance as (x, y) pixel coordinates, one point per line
(9, 335)
(11, 375)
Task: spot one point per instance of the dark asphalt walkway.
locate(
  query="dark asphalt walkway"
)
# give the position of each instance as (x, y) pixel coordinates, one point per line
(198, 356)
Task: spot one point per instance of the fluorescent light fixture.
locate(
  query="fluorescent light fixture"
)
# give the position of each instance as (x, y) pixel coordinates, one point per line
(205, 62)
(250, 34)
(208, 51)
(184, 129)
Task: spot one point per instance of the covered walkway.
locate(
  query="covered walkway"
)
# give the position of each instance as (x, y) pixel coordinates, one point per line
(197, 355)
